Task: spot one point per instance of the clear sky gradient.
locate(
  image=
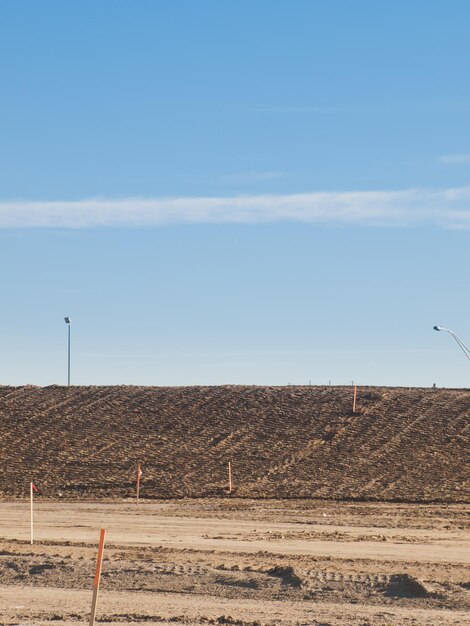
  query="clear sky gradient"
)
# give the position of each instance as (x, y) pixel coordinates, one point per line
(259, 192)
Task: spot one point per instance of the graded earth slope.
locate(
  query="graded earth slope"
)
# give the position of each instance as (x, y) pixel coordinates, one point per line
(400, 444)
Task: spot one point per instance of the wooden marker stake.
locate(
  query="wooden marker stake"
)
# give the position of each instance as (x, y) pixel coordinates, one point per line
(31, 511)
(229, 477)
(96, 581)
(354, 399)
(139, 474)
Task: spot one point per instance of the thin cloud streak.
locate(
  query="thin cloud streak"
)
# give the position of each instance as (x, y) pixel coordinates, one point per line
(455, 159)
(448, 208)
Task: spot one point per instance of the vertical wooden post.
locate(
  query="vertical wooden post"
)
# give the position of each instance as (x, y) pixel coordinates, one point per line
(229, 477)
(354, 399)
(31, 511)
(96, 581)
(139, 474)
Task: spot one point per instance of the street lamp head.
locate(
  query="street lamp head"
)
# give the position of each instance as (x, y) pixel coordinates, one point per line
(67, 320)
(447, 330)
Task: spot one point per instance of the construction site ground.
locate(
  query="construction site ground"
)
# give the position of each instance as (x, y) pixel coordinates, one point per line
(235, 561)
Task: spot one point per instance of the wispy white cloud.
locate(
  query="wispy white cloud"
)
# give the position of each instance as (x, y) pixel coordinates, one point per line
(445, 207)
(455, 159)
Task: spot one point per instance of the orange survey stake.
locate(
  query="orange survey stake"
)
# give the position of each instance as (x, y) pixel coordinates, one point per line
(96, 581)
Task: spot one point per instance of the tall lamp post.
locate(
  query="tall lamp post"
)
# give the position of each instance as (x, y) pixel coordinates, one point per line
(68, 321)
(461, 344)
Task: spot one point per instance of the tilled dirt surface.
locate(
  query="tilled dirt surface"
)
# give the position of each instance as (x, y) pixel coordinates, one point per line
(398, 444)
(240, 562)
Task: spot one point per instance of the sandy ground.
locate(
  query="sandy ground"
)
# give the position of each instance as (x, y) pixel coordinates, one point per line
(242, 562)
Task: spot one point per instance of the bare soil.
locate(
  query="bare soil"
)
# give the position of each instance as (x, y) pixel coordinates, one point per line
(237, 561)
(399, 444)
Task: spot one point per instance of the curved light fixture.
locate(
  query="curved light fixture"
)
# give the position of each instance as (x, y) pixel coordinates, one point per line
(461, 344)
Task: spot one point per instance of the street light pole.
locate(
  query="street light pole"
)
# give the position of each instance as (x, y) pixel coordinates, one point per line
(460, 343)
(68, 321)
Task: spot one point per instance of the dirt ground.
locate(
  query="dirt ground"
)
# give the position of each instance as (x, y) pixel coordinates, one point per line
(399, 444)
(239, 562)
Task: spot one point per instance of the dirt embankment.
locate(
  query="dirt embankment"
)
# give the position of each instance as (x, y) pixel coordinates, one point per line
(400, 444)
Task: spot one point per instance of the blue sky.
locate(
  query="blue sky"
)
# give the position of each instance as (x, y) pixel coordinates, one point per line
(249, 192)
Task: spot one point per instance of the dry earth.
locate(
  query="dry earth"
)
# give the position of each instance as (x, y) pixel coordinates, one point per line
(239, 562)
(252, 559)
(400, 444)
